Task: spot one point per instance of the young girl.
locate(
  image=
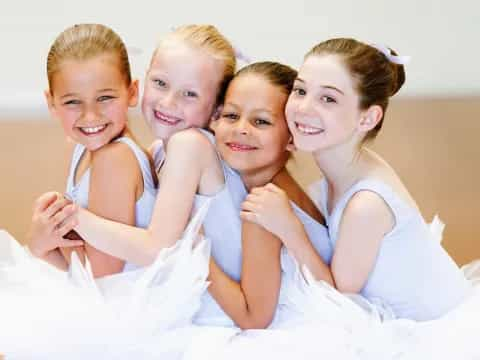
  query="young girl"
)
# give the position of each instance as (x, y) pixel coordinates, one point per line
(383, 249)
(252, 138)
(90, 91)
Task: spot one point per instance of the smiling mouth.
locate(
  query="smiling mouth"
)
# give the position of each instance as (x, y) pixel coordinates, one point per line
(92, 130)
(308, 130)
(166, 119)
(240, 147)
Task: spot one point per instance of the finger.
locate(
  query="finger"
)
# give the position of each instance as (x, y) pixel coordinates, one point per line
(273, 188)
(61, 216)
(248, 216)
(248, 206)
(66, 228)
(54, 208)
(70, 243)
(45, 200)
(257, 190)
(253, 197)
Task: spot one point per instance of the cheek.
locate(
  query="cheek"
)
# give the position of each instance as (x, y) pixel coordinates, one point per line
(197, 115)
(68, 117)
(116, 113)
(147, 97)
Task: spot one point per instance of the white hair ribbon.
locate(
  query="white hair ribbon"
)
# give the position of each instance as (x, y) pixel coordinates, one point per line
(396, 59)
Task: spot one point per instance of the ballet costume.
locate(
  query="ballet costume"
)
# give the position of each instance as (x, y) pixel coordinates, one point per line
(142, 312)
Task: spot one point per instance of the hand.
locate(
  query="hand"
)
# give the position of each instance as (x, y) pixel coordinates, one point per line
(53, 217)
(269, 207)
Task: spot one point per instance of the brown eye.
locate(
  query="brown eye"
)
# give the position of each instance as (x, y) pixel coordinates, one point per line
(230, 116)
(262, 122)
(328, 99)
(299, 91)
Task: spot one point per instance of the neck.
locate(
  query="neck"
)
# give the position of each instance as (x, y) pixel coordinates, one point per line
(342, 166)
(255, 178)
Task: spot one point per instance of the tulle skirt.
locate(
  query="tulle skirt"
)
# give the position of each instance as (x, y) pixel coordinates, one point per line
(147, 314)
(46, 313)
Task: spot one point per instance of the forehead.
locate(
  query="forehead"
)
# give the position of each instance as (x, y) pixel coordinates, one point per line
(326, 70)
(100, 71)
(256, 92)
(186, 63)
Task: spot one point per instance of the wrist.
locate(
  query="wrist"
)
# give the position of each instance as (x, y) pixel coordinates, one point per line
(292, 234)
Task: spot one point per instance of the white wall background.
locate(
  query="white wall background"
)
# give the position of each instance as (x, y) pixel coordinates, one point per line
(441, 36)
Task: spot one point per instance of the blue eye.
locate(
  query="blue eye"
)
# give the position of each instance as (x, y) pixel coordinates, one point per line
(105, 98)
(72, 102)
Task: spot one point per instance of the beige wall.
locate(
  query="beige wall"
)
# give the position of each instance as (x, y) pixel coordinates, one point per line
(431, 143)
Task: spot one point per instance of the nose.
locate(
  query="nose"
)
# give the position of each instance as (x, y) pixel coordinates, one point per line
(242, 126)
(91, 114)
(304, 105)
(168, 100)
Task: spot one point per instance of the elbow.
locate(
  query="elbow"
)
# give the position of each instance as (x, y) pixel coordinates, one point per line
(347, 285)
(258, 322)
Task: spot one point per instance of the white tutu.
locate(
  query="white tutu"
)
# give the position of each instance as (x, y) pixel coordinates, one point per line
(315, 321)
(49, 314)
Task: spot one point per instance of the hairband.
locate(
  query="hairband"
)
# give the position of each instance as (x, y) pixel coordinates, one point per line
(241, 56)
(396, 59)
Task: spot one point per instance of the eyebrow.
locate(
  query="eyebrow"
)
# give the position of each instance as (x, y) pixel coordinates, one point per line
(68, 95)
(74, 94)
(254, 110)
(107, 89)
(331, 87)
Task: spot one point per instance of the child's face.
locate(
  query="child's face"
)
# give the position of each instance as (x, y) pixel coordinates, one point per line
(252, 133)
(323, 109)
(91, 99)
(181, 88)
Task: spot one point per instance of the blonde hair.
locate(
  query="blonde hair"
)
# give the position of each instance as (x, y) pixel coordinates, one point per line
(83, 42)
(209, 39)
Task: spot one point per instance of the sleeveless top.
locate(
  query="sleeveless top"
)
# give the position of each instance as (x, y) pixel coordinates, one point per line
(223, 227)
(144, 206)
(413, 274)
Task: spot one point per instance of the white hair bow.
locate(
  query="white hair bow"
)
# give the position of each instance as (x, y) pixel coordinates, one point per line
(396, 59)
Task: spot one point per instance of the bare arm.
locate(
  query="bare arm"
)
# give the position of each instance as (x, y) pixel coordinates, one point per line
(181, 175)
(365, 221)
(270, 207)
(252, 302)
(115, 182)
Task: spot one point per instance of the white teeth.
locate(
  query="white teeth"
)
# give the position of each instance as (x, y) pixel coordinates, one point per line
(308, 129)
(93, 130)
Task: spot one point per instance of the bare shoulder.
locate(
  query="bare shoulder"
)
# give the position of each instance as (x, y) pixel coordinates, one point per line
(190, 139)
(367, 207)
(189, 145)
(116, 157)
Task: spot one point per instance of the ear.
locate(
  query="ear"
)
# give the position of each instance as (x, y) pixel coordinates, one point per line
(50, 103)
(214, 118)
(291, 146)
(370, 118)
(133, 93)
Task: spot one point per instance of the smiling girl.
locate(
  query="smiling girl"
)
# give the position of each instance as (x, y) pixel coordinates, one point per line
(90, 91)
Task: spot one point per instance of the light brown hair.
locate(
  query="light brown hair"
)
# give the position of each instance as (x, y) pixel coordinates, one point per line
(375, 76)
(83, 42)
